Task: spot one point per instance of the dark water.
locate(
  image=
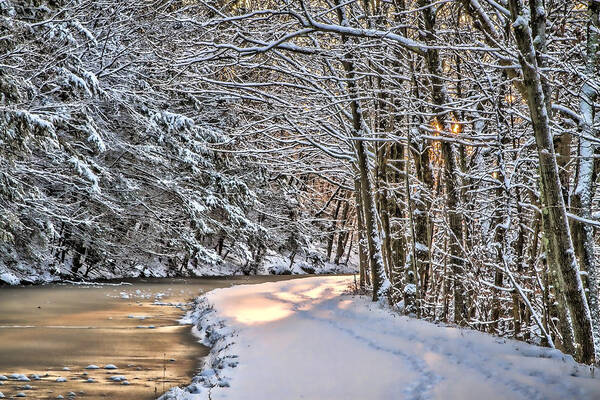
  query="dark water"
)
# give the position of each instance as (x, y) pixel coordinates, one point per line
(46, 329)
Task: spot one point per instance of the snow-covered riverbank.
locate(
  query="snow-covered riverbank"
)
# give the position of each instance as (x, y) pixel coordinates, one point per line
(305, 339)
(273, 264)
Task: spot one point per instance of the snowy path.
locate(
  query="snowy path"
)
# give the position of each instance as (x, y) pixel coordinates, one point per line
(303, 339)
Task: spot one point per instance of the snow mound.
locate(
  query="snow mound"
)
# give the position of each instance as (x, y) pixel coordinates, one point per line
(20, 377)
(10, 278)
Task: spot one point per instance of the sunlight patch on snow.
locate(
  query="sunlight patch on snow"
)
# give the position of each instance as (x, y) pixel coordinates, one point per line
(287, 296)
(256, 310)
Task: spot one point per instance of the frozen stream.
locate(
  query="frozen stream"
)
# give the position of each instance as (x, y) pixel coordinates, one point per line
(50, 334)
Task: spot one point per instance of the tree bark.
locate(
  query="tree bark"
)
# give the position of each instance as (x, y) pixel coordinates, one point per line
(366, 183)
(363, 258)
(561, 251)
(342, 235)
(581, 202)
(440, 99)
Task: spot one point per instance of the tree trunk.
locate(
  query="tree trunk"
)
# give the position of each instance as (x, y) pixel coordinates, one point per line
(560, 246)
(331, 237)
(581, 203)
(440, 99)
(342, 235)
(363, 258)
(366, 185)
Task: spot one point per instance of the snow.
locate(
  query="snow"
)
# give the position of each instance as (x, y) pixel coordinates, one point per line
(410, 289)
(273, 264)
(9, 278)
(421, 247)
(312, 263)
(19, 377)
(520, 22)
(307, 339)
(84, 171)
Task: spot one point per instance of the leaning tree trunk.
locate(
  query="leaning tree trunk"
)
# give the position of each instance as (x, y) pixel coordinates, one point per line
(560, 246)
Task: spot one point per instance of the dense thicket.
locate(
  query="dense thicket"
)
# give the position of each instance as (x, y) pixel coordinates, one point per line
(107, 152)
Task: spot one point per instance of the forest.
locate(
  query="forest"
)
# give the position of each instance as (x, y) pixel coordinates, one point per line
(447, 148)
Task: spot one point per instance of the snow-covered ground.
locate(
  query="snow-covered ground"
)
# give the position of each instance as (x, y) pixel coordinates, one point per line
(306, 339)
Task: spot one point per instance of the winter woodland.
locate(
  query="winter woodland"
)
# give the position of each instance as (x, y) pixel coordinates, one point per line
(447, 148)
